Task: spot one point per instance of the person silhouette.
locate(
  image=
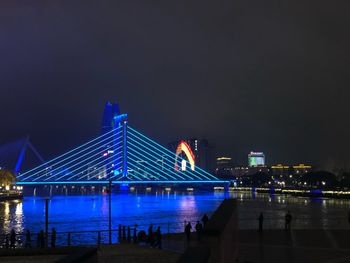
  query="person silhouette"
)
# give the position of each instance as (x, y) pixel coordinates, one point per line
(158, 238)
(188, 231)
(38, 240)
(199, 229)
(205, 219)
(150, 236)
(12, 239)
(53, 237)
(28, 239)
(288, 220)
(7, 241)
(261, 221)
(42, 239)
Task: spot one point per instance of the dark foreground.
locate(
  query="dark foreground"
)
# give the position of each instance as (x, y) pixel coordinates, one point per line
(270, 246)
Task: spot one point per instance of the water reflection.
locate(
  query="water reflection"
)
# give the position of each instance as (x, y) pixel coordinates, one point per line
(11, 216)
(170, 209)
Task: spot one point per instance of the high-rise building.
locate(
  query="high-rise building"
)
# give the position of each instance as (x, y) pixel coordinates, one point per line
(280, 170)
(224, 166)
(302, 169)
(256, 159)
(110, 111)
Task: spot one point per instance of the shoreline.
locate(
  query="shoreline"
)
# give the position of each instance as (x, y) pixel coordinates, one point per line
(10, 197)
(313, 193)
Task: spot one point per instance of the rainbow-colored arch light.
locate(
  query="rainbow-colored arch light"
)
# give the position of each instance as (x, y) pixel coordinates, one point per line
(185, 148)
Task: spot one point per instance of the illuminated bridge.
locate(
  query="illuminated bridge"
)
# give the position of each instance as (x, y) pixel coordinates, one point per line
(121, 155)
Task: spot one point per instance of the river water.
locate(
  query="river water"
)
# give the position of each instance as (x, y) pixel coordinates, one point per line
(169, 210)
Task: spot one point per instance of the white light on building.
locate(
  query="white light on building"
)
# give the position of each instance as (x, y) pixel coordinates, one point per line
(183, 165)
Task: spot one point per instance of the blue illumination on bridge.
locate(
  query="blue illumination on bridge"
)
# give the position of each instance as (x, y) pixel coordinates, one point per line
(122, 182)
(122, 155)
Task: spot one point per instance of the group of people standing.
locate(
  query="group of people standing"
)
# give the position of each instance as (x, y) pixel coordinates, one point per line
(11, 239)
(287, 221)
(199, 228)
(155, 238)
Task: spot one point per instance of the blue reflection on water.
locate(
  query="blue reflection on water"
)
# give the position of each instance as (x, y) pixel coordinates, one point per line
(167, 209)
(76, 213)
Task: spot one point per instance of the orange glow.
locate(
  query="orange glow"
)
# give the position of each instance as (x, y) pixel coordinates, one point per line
(184, 147)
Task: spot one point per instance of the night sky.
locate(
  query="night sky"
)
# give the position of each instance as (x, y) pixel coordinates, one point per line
(268, 76)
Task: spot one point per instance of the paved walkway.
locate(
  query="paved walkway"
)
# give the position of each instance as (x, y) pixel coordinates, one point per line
(321, 246)
(135, 254)
(281, 246)
(295, 246)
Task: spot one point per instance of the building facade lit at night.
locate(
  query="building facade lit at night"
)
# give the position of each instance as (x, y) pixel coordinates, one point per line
(256, 159)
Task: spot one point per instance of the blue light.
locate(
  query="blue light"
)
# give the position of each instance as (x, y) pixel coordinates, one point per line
(133, 148)
(136, 167)
(137, 173)
(123, 182)
(67, 158)
(81, 167)
(121, 118)
(166, 159)
(125, 157)
(58, 157)
(316, 191)
(138, 163)
(172, 157)
(99, 163)
(167, 150)
(109, 163)
(154, 166)
(142, 156)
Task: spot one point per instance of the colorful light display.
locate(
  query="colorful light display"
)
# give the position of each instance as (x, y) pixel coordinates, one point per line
(186, 149)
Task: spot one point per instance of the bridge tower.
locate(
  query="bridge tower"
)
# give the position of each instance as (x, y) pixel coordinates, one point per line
(114, 121)
(121, 120)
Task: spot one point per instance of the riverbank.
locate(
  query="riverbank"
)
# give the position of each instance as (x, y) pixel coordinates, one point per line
(4, 196)
(270, 246)
(294, 192)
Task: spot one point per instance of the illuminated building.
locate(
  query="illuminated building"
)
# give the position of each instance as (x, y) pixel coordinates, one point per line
(110, 110)
(302, 169)
(197, 152)
(240, 171)
(280, 170)
(256, 159)
(286, 170)
(224, 166)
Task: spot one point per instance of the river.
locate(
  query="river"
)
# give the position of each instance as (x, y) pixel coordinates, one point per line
(169, 210)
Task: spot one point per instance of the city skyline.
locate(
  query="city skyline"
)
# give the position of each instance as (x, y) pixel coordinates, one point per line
(238, 74)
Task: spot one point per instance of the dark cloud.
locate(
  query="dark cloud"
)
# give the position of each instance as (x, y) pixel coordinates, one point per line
(265, 75)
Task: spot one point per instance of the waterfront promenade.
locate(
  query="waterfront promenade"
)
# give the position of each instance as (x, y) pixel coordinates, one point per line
(271, 246)
(281, 246)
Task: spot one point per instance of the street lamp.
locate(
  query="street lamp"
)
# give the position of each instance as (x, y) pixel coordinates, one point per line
(46, 220)
(110, 210)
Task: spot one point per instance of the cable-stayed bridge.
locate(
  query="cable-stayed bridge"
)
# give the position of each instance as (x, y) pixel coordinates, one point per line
(121, 155)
